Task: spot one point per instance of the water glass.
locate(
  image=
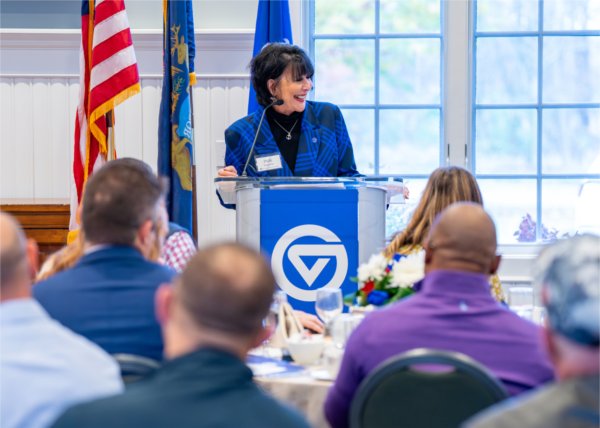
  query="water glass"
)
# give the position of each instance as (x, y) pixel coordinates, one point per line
(329, 304)
(520, 300)
(271, 321)
(342, 327)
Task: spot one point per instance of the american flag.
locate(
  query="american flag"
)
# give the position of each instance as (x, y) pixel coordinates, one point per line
(108, 76)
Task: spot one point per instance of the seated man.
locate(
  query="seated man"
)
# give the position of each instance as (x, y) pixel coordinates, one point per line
(210, 318)
(569, 275)
(108, 296)
(454, 311)
(44, 367)
(179, 247)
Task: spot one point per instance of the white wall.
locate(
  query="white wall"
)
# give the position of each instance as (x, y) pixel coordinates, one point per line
(143, 14)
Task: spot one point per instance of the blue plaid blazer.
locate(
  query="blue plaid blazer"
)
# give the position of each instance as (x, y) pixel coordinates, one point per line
(324, 149)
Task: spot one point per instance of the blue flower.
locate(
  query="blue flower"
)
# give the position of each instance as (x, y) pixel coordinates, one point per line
(377, 297)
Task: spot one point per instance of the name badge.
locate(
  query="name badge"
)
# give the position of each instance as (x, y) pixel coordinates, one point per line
(268, 162)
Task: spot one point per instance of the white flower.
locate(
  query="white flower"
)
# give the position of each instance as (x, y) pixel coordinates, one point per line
(373, 269)
(408, 270)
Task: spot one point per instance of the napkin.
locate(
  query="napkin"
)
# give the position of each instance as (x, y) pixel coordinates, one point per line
(288, 325)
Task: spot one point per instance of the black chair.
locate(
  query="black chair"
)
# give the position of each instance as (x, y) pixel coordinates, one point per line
(395, 394)
(135, 367)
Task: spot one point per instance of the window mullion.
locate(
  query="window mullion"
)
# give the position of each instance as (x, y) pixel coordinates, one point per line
(377, 74)
(456, 82)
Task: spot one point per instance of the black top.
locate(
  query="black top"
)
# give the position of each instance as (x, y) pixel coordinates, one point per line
(288, 148)
(206, 388)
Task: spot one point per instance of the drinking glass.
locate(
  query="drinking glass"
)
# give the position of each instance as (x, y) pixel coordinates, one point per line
(520, 300)
(342, 327)
(329, 304)
(272, 319)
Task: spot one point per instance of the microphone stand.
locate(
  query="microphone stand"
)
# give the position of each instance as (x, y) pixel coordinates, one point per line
(275, 102)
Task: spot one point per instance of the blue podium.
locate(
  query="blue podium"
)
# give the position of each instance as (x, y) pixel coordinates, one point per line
(315, 231)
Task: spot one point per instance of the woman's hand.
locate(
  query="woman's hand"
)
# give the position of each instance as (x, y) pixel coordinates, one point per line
(228, 171)
(309, 321)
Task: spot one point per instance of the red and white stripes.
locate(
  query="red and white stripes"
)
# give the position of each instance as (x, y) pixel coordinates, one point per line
(109, 76)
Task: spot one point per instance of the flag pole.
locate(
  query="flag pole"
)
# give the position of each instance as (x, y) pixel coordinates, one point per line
(111, 155)
(194, 194)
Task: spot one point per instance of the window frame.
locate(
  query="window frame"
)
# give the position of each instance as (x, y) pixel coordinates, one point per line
(539, 176)
(376, 107)
(458, 109)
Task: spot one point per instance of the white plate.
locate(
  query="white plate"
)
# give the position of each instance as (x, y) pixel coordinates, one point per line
(321, 374)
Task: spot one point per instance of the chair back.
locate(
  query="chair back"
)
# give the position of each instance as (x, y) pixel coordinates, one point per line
(135, 367)
(395, 394)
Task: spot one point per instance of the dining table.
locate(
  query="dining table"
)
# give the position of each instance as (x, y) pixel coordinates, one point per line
(303, 388)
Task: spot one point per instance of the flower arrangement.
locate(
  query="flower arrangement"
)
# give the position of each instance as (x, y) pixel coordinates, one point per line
(382, 281)
(527, 232)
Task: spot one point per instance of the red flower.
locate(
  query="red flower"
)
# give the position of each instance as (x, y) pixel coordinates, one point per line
(368, 287)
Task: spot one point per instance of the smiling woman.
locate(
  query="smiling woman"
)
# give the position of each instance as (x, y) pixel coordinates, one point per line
(300, 138)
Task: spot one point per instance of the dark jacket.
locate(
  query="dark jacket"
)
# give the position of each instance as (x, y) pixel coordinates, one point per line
(206, 388)
(108, 297)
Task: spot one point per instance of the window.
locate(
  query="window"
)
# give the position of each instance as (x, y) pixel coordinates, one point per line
(381, 62)
(532, 129)
(536, 116)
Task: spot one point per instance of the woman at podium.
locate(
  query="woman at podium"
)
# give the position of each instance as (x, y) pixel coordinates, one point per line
(288, 135)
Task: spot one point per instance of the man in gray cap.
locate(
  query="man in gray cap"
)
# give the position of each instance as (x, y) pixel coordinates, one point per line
(569, 275)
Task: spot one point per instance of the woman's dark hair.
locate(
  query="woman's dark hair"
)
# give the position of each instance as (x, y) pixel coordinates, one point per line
(271, 62)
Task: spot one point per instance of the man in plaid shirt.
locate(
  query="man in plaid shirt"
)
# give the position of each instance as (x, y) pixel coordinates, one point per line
(178, 248)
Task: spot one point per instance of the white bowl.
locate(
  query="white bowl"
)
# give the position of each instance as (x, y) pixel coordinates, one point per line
(306, 350)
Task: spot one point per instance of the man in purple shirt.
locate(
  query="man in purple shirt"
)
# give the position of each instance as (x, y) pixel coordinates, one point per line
(454, 311)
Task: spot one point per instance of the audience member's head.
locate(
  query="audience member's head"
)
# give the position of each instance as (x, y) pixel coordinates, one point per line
(121, 205)
(568, 273)
(64, 258)
(162, 229)
(220, 299)
(462, 238)
(18, 258)
(446, 185)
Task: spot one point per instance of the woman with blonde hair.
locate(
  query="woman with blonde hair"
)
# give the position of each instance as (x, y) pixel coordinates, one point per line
(446, 185)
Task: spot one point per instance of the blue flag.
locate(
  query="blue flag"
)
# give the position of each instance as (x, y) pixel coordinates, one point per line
(272, 25)
(175, 127)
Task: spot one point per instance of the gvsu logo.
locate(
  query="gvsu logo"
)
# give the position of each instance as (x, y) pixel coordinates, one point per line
(291, 252)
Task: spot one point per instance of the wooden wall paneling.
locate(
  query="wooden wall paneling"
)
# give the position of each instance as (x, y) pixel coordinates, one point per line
(238, 91)
(22, 170)
(8, 148)
(222, 220)
(150, 98)
(204, 169)
(128, 128)
(44, 220)
(73, 102)
(62, 120)
(41, 103)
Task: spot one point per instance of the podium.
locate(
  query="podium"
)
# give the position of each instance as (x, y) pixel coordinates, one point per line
(314, 231)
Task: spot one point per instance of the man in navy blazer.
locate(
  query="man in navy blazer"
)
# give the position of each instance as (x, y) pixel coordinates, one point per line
(108, 296)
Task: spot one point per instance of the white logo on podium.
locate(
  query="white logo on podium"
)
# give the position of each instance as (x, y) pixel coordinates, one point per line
(325, 252)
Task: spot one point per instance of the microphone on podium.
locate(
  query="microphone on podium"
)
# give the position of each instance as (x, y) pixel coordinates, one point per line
(275, 102)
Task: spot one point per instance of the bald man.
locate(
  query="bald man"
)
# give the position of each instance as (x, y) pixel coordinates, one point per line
(454, 311)
(44, 367)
